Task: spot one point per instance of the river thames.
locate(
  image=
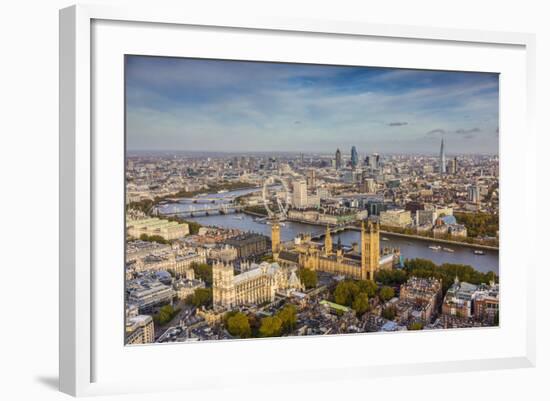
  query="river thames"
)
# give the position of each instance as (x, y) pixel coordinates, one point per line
(410, 247)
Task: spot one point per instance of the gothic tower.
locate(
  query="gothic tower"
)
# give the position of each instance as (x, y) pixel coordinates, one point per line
(328, 242)
(275, 238)
(370, 250)
(223, 288)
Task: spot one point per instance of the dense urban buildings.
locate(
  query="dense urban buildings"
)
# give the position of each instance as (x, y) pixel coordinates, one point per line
(190, 280)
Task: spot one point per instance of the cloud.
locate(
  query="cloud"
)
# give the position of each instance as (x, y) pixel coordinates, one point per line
(463, 131)
(437, 131)
(205, 105)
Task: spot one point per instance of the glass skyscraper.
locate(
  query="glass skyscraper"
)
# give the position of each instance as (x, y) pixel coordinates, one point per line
(354, 157)
(442, 166)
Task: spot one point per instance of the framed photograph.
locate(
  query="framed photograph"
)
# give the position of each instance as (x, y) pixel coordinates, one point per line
(299, 200)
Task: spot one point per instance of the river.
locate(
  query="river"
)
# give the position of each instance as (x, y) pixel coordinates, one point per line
(410, 247)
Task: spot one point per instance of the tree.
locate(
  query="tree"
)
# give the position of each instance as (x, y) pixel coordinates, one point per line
(238, 325)
(193, 227)
(361, 303)
(368, 286)
(308, 277)
(201, 297)
(479, 224)
(203, 271)
(159, 239)
(391, 277)
(419, 264)
(415, 326)
(345, 292)
(389, 313)
(270, 326)
(288, 318)
(165, 314)
(386, 293)
(144, 237)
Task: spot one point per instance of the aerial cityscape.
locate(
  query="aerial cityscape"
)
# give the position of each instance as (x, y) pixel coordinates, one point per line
(275, 199)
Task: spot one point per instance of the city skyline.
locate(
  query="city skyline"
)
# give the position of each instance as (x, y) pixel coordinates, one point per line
(211, 105)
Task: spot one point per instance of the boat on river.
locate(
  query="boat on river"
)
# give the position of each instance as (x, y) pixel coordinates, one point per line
(434, 247)
(448, 250)
(385, 239)
(478, 252)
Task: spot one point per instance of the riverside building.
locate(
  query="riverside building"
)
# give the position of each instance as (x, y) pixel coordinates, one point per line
(308, 254)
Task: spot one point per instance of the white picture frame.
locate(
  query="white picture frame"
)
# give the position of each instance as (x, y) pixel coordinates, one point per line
(84, 355)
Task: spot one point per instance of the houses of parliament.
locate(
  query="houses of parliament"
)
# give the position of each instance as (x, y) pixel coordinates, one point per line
(360, 264)
(259, 283)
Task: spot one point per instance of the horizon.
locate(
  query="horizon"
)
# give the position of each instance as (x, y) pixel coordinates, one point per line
(133, 152)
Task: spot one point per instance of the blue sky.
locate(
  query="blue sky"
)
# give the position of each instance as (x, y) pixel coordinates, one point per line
(239, 106)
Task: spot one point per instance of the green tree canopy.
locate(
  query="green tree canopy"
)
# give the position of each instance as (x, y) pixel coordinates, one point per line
(308, 277)
(389, 312)
(368, 286)
(391, 277)
(386, 293)
(165, 314)
(288, 318)
(415, 326)
(237, 325)
(203, 271)
(270, 326)
(479, 224)
(361, 303)
(201, 297)
(345, 292)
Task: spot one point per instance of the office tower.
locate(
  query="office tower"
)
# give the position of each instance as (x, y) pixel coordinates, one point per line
(338, 160)
(299, 194)
(311, 181)
(368, 186)
(367, 161)
(354, 157)
(442, 166)
(474, 195)
(375, 162)
(454, 166)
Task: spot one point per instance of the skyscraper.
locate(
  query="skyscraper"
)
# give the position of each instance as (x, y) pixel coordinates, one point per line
(338, 163)
(442, 164)
(299, 194)
(454, 166)
(375, 162)
(354, 157)
(310, 178)
(474, 195)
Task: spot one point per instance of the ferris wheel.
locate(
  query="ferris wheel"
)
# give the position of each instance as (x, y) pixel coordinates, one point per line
(276, 202)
